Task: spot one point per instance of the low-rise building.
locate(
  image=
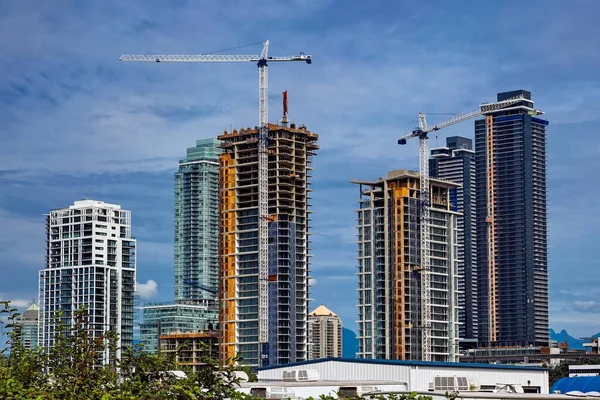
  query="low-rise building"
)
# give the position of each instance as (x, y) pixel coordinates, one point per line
(418, 376)
(163, 318)
(191, 349)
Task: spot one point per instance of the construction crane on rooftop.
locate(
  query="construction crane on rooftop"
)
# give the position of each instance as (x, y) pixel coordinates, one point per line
(198, 285)
(262, 62)
(422, 132)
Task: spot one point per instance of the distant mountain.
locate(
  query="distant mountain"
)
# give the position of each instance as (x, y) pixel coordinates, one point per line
(349, 343)
(573, 342)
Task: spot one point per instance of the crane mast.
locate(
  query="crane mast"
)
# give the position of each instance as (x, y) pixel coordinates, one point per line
(263, 205)
(261, 61)
(422, 132)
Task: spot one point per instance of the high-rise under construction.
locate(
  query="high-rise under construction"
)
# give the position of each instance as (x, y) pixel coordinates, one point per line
(290, 151)
(390, 319)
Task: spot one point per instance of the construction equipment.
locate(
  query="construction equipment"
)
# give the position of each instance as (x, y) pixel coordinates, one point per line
(284, 119)
(422, 132)
(261, 61)
(190, 282)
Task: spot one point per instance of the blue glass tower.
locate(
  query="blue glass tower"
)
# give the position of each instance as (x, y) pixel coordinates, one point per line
(512, 247)
(197, 223)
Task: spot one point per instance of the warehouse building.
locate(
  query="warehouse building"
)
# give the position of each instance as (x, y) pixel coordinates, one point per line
(418, 376)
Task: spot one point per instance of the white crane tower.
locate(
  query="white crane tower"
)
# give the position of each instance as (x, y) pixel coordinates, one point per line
(261, 61)
(422, 132)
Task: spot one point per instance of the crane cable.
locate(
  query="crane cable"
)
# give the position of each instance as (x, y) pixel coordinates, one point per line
(233, 48)
(158, 163)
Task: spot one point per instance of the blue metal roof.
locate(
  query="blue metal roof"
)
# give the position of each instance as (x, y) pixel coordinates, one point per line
(581, 383)
(408, 363)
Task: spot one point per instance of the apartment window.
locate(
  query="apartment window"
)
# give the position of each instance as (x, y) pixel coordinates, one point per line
(99, 248)
(101, 233)
(99, 240)
(101, 226)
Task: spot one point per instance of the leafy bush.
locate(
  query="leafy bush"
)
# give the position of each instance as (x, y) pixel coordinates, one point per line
(73, 370)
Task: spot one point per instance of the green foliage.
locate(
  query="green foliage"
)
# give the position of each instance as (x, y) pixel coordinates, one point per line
(558, 371)
(73, 369)
(562, 370)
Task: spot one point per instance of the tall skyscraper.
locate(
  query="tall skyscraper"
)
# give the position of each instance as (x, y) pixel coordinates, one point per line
(196, 260)
(90, 261)
(389, 271)
(290, 153)
(197, 223)
(510, 152)
(325, 333)
(456, 162)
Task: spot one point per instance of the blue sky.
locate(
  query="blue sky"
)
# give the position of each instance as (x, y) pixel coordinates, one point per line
(75, 123)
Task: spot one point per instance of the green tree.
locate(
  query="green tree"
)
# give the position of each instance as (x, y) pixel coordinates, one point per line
(76, 368)
(562, 370)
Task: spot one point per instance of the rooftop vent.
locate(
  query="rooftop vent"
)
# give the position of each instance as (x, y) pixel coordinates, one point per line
(301, 375)
(451, 383)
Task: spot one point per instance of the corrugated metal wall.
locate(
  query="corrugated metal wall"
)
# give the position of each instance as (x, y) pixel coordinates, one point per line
(418, 377)
(339, 370)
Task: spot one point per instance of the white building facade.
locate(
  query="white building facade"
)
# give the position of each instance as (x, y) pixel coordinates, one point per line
(90, 262)
(418, 376)
(390, 289)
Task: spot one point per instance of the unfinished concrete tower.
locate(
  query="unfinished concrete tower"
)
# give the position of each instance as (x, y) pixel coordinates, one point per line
(290, 152)
(389, 272)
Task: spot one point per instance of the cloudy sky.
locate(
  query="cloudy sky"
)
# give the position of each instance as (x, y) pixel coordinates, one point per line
(76, 123)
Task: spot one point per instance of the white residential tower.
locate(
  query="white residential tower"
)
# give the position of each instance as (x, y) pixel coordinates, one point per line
(90, 261)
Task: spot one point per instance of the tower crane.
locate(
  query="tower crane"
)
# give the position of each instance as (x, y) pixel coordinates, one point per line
(197, 285)
(422, 132)
(262, 62)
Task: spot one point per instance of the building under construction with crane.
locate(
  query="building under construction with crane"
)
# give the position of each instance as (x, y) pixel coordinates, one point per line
(390, 320)
(408, 256)
(263, 317)
(289, 150)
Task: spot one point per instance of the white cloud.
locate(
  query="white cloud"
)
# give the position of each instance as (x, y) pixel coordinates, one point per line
(12, 244)
(93, 114)
(19, 303)
(147, 290)
(587, 306)
(312, 281)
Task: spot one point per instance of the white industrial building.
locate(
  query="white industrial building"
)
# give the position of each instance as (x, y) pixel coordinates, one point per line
(419, 376)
